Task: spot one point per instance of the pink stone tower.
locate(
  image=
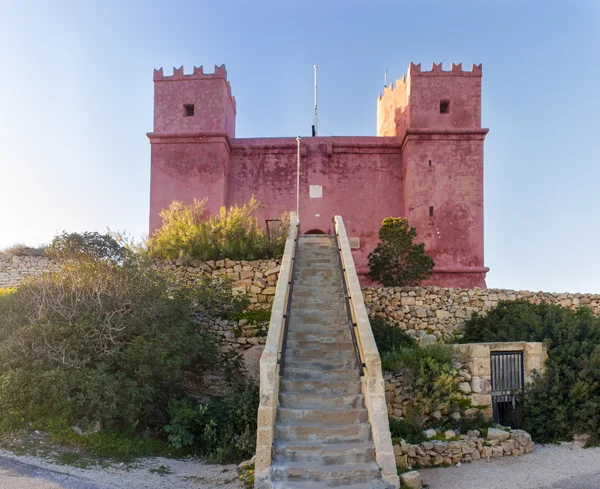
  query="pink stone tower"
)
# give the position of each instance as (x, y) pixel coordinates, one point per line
(426, 164)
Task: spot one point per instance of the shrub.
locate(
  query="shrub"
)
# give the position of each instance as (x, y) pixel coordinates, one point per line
(20, 249)
(409, 429)
(222, 430)
(96, 342)
(566, 400)
(188, 232)
(388, 336)
(429, 375)
(8, 290)
(396, 261)
(87, 245)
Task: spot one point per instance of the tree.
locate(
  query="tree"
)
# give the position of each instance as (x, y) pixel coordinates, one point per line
(396, 261)
(91, 245)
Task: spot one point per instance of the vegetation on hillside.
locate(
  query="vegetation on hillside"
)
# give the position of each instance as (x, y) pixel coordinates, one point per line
(566, 400)
(397, 261)
(188, 231)
(427, 372)
(102, 343)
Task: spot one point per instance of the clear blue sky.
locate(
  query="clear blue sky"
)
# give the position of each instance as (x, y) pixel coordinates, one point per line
(76, 101)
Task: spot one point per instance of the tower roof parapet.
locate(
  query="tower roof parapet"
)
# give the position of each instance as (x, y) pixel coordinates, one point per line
(198, 74)
(437, 70)
(220, 72)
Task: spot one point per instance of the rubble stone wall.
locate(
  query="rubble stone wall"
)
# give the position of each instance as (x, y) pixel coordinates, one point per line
(473, 364)
(14, 268)
(457, 448)
(442, 311)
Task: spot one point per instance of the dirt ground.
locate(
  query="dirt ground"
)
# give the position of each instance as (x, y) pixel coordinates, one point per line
(27, 472)
(548, 467)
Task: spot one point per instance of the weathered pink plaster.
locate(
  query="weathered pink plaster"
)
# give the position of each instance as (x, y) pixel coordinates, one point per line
(420, 159)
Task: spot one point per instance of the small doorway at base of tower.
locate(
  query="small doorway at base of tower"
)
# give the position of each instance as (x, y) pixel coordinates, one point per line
(314, 231)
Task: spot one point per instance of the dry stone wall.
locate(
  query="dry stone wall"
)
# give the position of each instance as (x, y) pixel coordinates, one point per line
(236, 338)
(14, 268)
(474, 377)
(257, 279)
(457, 448)
(442, 312)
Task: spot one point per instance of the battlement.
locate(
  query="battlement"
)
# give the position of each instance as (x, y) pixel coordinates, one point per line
(390, 88)
(220, 72)
(437, 70)
(198, 74)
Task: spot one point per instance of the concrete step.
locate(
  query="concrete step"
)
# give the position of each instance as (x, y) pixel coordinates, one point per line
(326, 454)
(321, 364)
(326, 433)
(321, 337)
(320, 306)
(320, 345)
(310, 373)
(321, 415)
(346, 354)
(318, 316)
(342, 474)
(327, 484)
(342, 387)
(306, 400)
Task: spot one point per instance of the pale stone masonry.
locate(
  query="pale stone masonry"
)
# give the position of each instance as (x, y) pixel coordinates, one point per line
(14, 268)
(473, 366)
(441, 312)
(460, 448)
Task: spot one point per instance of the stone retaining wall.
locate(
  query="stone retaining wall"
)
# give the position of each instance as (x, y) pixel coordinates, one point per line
(14, 268)
(463, 448)
(473, 368)
(441, 312)
(238, 338)
(257, 278)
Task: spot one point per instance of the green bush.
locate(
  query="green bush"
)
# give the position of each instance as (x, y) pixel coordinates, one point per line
(189, 232)
(396, 261)
(388, 336)
(21, 249)
(222, 430)
(410, 429)
(566, 400)
(88, 245)
(429, 374)
(104, 340)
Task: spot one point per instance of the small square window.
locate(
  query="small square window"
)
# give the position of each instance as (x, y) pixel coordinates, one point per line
(444, 106)
(189, 109)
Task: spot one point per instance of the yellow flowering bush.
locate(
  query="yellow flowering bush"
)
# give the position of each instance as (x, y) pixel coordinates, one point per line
(188, 231)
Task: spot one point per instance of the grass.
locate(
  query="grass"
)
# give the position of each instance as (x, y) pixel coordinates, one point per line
(103, 448)
(161, 470)
(255, 316)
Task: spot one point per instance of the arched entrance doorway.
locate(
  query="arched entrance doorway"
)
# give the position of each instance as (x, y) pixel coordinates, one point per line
(315, 231)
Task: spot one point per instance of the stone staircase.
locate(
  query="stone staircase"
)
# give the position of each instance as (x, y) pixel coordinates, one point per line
(322, 432)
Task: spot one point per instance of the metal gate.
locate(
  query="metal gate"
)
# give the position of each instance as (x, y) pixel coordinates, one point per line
(507, 383)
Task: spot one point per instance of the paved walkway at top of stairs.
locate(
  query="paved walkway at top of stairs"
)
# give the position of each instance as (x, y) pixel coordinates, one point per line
(322, 433)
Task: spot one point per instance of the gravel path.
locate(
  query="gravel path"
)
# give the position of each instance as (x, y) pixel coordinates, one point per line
(548, 467)
(25, 472)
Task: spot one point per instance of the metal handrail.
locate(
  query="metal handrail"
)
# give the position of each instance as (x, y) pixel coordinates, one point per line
(351, 322)
(286, 316)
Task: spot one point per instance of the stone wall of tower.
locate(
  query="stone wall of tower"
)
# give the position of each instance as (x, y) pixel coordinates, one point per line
(437, 116)
(194, 123)
(425, 164)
